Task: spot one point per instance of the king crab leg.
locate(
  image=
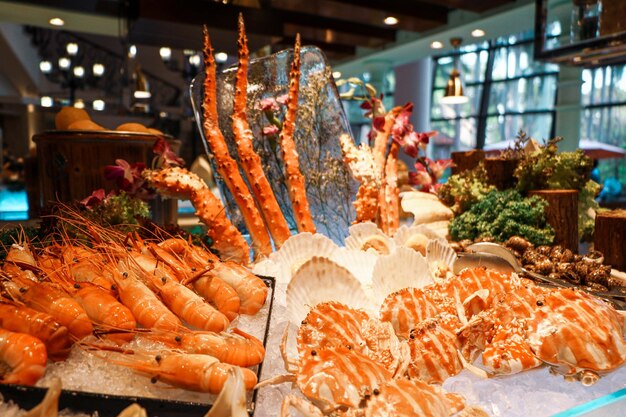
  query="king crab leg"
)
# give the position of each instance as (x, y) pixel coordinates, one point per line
(294, 178)
(250, 161)
(226, 166)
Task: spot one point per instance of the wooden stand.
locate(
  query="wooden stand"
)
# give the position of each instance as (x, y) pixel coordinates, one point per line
(71, 165)
(464, 161)
(500, 172)
(610, 238)
(562, 215)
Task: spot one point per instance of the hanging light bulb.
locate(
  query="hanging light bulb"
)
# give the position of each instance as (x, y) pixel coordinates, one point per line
(166, 53)
(45, 67)
(454, 89)
(71, 48)
(64, 63)
(98, 69)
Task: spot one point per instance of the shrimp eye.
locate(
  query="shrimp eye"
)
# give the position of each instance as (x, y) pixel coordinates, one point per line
(114, 287)
(539, 303)
(376, 391)
(154, 379)
(349, 347)
(164, 280)
(193, 269)
(77, 285)
(313, 353)
(303, 322)
(178, 339)
(75, 260)
(411, 336)
(125, 274)
(157, 358)
(22, 290)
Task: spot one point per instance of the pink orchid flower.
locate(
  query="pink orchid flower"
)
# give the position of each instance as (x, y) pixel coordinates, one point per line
(270, 130)
(268, 104)
(94, 199)
(167, 157)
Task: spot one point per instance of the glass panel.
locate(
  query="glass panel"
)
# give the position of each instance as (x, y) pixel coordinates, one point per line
(604, 85)
(502, 128)
(517, 60)
(523, 94)
(463, 131)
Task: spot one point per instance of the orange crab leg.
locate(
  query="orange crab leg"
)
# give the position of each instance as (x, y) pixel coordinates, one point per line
(382, 138)
(363, 169)
(250, 161)
(294, 178)
(226, 166)
(389, 207)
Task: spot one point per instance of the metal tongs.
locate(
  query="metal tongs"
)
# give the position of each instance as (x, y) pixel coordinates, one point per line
(497, 257)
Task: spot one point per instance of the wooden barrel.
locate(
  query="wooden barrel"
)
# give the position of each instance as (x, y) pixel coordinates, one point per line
(71, 164)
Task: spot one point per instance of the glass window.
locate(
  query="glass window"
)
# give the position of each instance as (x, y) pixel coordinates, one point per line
(520, 92)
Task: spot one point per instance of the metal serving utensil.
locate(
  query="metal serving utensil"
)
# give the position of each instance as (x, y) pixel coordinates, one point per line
(499, 258)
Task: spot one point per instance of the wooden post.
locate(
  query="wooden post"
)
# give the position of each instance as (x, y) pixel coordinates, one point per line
(562, 215)
(466, 160)
(500, 172)
(610, 238)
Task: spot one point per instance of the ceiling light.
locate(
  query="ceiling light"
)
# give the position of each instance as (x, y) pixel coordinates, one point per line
(166, 53)
(132, 51)
(221, 57)
(45, 67)
(337, 75)
(142, 94)
(436, 45)
(71, 48)
(79, 104)
(195, 60)
(46, 101)
(390, 20)
(98, 69)
(56, 21)
(64, 63)
(79, 71)
(98, 105)
(478, 33)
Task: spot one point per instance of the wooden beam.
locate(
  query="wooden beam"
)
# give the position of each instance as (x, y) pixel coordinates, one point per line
(266, 22)
(418, 9)
(470, 5)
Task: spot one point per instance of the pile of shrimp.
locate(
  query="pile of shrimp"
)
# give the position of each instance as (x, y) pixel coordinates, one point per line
(102, 293)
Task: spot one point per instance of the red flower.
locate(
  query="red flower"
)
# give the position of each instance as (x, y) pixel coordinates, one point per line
(166, 156)
(270, 130)
(94, 199)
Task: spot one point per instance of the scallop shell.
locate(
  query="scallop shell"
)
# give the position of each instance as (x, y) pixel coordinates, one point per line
(414, 237)
(319, 280)
(440, 228)
(402, 269)
(266, 268)
(425, 207)
(440, 257)
(359, 263)
(297, 250)
(366, 236)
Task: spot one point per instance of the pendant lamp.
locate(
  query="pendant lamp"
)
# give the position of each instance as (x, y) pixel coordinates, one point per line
(454, 89)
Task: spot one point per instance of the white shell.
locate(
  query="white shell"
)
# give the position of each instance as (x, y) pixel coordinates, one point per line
(359, 263)
(414, 237)
(319, 280)
(297, 250)
(266, 268)
(425, 207)
(367, 236)
(439, 227)
(402, 269)
(440, 257)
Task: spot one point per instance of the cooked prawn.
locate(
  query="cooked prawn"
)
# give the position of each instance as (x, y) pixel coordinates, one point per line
(194, 372)
(50, 298)
(21, 319)
(145, 306)
(236, 348)
(25, 358)
(251, 289)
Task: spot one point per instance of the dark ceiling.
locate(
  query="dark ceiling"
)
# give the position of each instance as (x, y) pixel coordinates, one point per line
(337, 26)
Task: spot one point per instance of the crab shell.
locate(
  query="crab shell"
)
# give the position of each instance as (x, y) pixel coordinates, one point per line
(404, 398)
(577, 334)
(339, 377)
